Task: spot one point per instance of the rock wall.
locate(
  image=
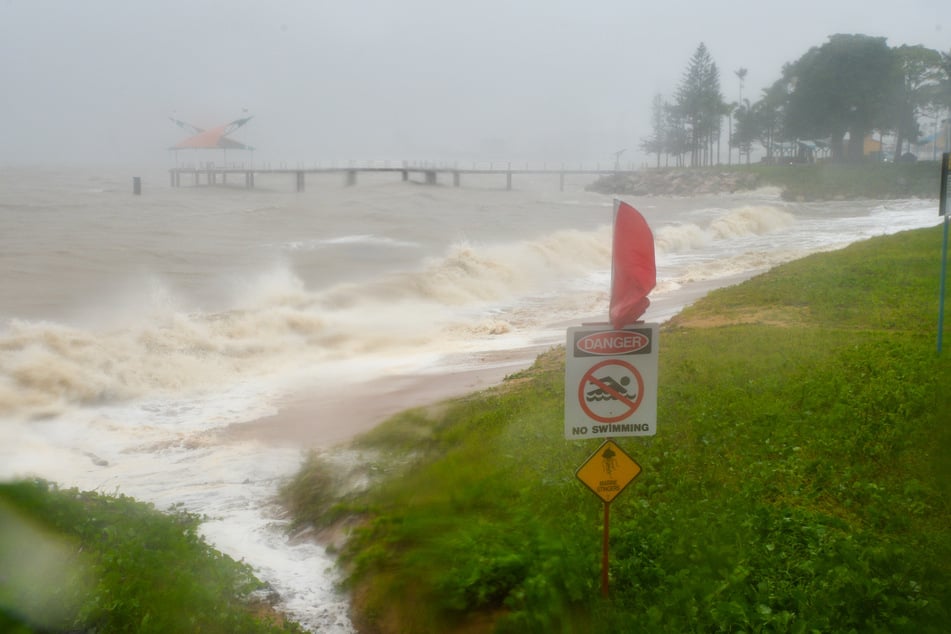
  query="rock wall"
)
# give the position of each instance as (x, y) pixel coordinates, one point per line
(675, 182)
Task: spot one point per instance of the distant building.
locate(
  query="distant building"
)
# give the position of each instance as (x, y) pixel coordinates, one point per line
(936, 143)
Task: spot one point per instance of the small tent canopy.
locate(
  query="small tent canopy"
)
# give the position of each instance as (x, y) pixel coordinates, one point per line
(212, 139)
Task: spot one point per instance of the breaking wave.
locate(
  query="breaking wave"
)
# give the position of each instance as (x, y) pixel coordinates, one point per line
(738, 223)
(277, 326)
(349, 240)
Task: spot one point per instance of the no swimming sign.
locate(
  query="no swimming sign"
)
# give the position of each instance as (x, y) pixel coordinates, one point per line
(611, 381)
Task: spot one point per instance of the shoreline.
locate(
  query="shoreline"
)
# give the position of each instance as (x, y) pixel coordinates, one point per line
(327, 419)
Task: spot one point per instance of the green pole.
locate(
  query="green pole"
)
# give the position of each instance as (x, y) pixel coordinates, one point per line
(945, 213)
(944, 272)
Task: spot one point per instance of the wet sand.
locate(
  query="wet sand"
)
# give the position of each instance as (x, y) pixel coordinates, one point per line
(323, 419)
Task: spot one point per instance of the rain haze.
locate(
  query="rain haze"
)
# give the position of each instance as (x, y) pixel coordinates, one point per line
(183, 339)
(96, 82)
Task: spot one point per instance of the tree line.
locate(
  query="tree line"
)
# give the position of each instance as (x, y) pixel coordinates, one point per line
(828, 101)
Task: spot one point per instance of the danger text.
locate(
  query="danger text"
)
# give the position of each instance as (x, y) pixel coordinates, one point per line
(632, 341)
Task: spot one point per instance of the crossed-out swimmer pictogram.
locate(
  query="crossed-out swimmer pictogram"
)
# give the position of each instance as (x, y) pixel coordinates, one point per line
(611, 391)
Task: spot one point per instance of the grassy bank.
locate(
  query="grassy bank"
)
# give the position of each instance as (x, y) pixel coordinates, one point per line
(74, 561)
(829, 181)
(818, 181)
(798, 481)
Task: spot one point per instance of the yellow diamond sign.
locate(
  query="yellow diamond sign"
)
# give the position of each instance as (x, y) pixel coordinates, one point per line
(608, 471)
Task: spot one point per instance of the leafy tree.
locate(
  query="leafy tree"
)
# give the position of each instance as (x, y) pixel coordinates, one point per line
(840, 88)
(741, 75)
(699, 103)
(724, 110)
(943, 90)
(940, 94)
(655, 143)
(677, 138)
(921, 71)
(844, 89)
(747, 130)
(769, 118)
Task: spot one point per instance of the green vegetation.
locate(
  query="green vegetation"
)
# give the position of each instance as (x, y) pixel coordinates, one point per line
(798, 482)
(80, 561)
(829, 181)
(805, 182)
(834, 96)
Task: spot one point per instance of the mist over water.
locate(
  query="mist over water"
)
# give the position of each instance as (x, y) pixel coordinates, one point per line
(133, 329)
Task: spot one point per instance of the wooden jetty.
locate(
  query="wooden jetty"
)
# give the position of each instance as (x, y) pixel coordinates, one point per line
(428, 174)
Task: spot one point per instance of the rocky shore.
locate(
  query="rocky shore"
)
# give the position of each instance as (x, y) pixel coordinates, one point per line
(676, 182)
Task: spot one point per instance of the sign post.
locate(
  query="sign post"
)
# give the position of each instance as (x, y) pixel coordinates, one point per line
(607, 472)
(611, 369)
(610, 390)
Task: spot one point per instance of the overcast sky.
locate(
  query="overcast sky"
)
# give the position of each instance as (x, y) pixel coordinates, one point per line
(94, 81)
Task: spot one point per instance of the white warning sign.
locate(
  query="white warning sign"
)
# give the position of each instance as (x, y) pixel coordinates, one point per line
(611, 381)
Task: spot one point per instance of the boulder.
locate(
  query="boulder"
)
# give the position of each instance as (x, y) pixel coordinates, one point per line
(675, 182)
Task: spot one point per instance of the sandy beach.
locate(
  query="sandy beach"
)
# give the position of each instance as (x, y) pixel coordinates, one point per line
(323, 418)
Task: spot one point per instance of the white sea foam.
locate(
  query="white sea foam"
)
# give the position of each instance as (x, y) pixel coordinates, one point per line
(358, 239)
(727, 224)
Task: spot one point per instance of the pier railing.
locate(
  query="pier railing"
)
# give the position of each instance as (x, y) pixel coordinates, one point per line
(429, 172)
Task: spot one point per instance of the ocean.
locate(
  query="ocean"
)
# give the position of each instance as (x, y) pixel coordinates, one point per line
(136, 330)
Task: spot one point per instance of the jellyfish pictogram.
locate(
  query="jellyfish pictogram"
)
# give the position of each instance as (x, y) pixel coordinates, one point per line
(609, 462)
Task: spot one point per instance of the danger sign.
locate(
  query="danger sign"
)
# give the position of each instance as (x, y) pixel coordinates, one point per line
(611, 381)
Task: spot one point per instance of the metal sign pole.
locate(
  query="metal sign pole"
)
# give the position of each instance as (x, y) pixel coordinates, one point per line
(605, 547)
(607, 472)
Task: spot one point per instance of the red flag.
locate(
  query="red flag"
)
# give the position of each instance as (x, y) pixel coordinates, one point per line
(633, 270)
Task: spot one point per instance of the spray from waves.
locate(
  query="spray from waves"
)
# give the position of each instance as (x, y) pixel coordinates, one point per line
(754, 220)
(747, 262)
(276, 327)
(747, 221)
(491, 273)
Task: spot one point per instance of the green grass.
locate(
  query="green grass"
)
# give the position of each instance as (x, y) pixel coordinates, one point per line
(798, 481)
(826, 181)
(80, 561)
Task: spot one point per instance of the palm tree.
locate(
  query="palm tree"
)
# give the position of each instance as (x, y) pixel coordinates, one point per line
(741, 75)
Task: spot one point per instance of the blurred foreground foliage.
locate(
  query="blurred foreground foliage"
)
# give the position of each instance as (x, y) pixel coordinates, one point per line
(798, 481)
(74, 561)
